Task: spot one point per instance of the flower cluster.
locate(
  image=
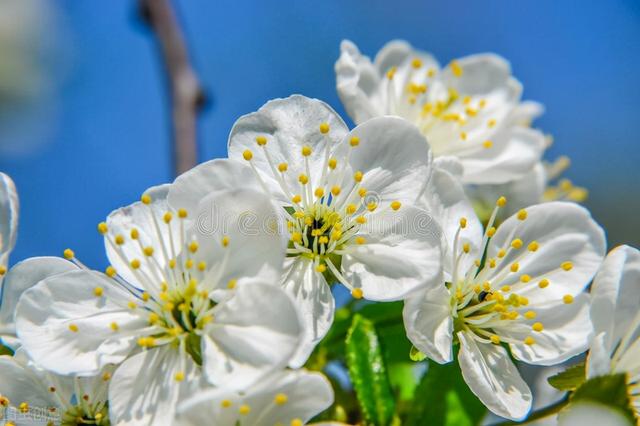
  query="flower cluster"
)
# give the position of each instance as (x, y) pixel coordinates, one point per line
(219, 300)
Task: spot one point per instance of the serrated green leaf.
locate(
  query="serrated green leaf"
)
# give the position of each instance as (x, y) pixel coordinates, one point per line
(443, 399)
(609, 390)
(416, 355)
(569, 379)
(368, 372)
(4, 350)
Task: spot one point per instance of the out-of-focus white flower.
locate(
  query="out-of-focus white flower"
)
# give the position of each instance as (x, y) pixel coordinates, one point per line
(470, 109)
(349, 198)
(9, 210)
(30, 395)
(288, 398)
(520, 285)
(591, 413)
(179, 304)
(615, 315)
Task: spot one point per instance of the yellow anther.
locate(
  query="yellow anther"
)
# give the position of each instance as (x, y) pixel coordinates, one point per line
(179, 376)
(491, 231)
(517, 243)
(357, 293)
(24, 407)
(281, 399)
(533, 246)
(114, 326)
(68, 254)
(506, 288)
(172, 263)
(515, 266)
(502, 201)
(567, 266)
(361, 220)
(106, 377)
(226, 403)
(523, 300)
(169, 306)
(335, 190)
(492, 263)
(501, 253)
(296, 199)
(232, 284)
(261, 140)
(103, 228)
(362, 192)
(456, 69)
(306, 151)
(324, 128)
(4, 401)
(482, 103)
(495, 339)
(463, 136)
(487, 144)
(351, 208)
(145, 296)
(372, 206)
(567, 298)
(416, 63)
(98, 291)
(167, 217)
(3, 270)
(395, 205)
(146, 199)
(333, 163)
(491, 123)
(303, 179)
(529, 340)
(148, 251)
(135, 264)
(119, 239)
(244, 409)
(357, 176)
(321, 268)
(73, 328)
(537, 327)
(466, 247)
(522, 214)
(530, 315)
(354, 141)
(360, 240)
(153, 318)
(202, 265)
(110, 271)
(499, 307)
(225, 241)
(247, 154)
(283, 167)
(336, 234)
(431, 72)
(525, 278)
(391, 72)
(193, 246)
(477, 262)
(543, 283)
(472, 113)
(134, 234)
(296, 237)
(182, 213)
(319, 192)
(132, 305)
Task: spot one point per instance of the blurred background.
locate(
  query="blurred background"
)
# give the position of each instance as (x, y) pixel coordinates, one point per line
(85, 125)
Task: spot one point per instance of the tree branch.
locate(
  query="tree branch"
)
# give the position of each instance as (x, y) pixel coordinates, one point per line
(187, 97)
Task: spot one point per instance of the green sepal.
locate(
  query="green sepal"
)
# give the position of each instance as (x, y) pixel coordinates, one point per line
(416, 355)
(608, 390)
(194, 347)
(569, 379)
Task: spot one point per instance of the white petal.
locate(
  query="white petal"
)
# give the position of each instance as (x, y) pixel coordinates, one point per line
(254, 333)
(151, 234)
(9, 211)
(394, 157)
(599, 359)
(591, 413)
(357, 82)
(526, 112)
(567, 332)
(46, 311)
(616, 295)
(191, 187)
(20, 384)
(482, 74)
(315, 302)
(493, 378)
(143, 390)
(428, 321)
(565, 232)
(402, 254)
(288, 124)
(253, 231)
(307, 394)
(21, 277)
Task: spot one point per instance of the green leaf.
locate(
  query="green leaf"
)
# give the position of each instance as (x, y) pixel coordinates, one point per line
(609, 390)
(416, 355)
(368, 372)
(4, 350)
(569, 379)
(443, 399)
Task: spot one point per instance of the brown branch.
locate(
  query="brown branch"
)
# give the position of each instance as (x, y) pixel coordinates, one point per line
(187, 97)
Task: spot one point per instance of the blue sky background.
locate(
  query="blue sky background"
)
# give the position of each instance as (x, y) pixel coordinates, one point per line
(111, 140)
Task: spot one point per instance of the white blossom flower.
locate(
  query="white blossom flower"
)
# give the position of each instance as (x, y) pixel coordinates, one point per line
(9, 209)
(21, 277)
(288, 398)
(521, 285)
(615, 298)
(30, 395)
(349, 197)
(470, 109)
(179, 304)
